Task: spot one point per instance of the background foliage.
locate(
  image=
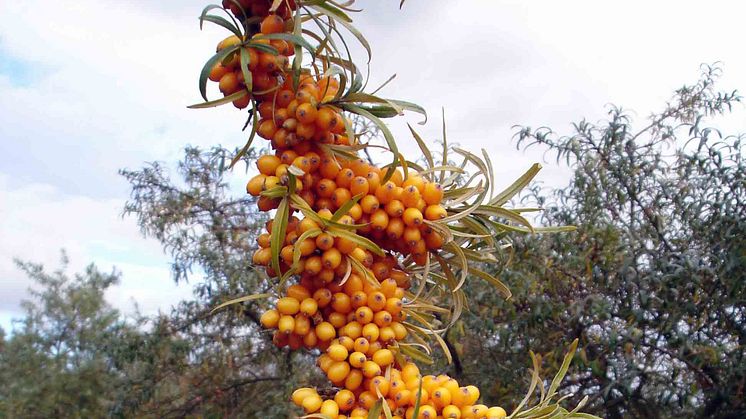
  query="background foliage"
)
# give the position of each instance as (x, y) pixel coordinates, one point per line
(652, 284)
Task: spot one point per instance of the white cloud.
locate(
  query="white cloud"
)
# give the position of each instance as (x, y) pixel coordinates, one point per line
(37, 221)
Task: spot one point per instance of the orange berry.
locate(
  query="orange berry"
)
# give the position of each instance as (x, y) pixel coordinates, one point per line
(364, 315)
(435, 212)
(369, 203)
(385, 192)
(379, 383)
(357, 359)
(288, 305)
(323, 297)
(354, 380)
(338, 371)
(379, 220)
(395, 228)
(324, 241)
(337, 352)
(267, 164)
(371, 332)
(243, 101)
(270, 318)
(329, 408)
(376, 301)
(371, 369)
(432, 193)
(383, 319)
(341, 303)
(345, 399)
(306, 113)
(383, 357)
(410, 196)
(228, 83)
(309, 306)
(272, 24)
(412, 217)
(394, 208)
(267, 129)
(286, 324)
(325, 331)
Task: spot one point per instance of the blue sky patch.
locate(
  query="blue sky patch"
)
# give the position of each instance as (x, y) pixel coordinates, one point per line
(20, 72)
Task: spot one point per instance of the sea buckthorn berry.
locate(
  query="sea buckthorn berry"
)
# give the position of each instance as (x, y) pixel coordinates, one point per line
(263, 240)
(302, 325)
(329, 408)
(312, 403)
(364, 315)
(388, 285)
(270, 318)
(451, 412)
(305, 131)
(395, 229)
(338, 320)
(228, 83)
(331, 258)
(338, 371)
(386, 333)
(427, 412)
(367, 399)
(376, 301)
(309, 306)
(345, 399)
(371, 332)
(313, 265)
(369, 204)
(337, 352)
(325, 188)
(266, 129)
(359, 186)
(473, 394)
(218, 71)
(323, 297)
(325, 331)
(354, 379)
(495, 413)
(310, 340)
(286, 324)
(347, 342)
(298, 292)
(379, 383)
(383, 357)
(385, 192)
(306, 113)
(340, 196)
(379, 220)
(344, 178)
(394, 305)
(354, 284)
(300, 394)
(362, 345)
(272, 24)
(410, 196)
(262, 256)
(402, 397)
(267, 164)
(435, 212)
(383, 319)
(441, 396)
(341, 303)
(371, 369)
(412, 217)
(327, 119)
(357, 359)
(478, 411)
(394, 208)
(353, 329)
(432, 193)
(324, 241)
(288, 305)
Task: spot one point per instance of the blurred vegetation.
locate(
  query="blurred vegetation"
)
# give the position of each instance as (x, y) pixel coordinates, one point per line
(652, 284)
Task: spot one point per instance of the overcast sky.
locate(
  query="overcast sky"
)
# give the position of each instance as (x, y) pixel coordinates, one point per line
(89, 87)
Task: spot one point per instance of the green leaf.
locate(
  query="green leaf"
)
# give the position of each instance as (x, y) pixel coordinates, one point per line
(247, 76)
(277, 236)
(415, 354)
(375, 411)
(220, 21)
(204, 75)
(228, 99)
(423, 147)
(240, 300)
(504, 290)
(416, 412)
(345, 208)
(516, 186)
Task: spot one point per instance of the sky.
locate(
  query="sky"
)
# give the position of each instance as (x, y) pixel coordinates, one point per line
(90, 87)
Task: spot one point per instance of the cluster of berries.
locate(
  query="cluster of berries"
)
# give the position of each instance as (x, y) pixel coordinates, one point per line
(439, 397)
(267, 63)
